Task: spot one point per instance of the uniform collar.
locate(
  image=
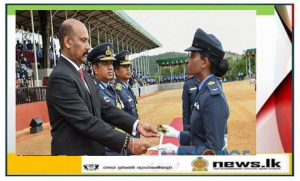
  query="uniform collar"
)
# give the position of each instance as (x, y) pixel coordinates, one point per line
(104, 84)
(203, 81)
(100, 83)
(126, 85)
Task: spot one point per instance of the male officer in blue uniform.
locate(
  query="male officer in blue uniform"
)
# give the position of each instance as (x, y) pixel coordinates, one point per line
(123, 74)
(190, 89)
(101, 58)
(103, 72)
(210, 110)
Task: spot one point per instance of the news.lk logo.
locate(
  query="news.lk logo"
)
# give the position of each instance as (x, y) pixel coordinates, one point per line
(269, 164)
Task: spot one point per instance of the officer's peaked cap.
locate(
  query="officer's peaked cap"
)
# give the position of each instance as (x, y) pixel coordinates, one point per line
(101, 52)
(206, 42)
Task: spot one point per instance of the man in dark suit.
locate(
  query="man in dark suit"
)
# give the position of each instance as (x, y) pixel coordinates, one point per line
(77, 111)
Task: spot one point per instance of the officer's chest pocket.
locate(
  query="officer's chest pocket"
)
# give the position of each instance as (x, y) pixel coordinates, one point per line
(129, 105)
(196, 115)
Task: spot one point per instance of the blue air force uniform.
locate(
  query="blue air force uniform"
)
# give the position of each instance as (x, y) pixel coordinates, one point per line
(104, 52)
(210, 111)
(190, 89)
(123, 89)
(127, 97)
(108, 93)
(208, 121)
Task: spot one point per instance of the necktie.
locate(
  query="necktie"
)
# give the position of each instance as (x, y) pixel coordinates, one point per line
(110, 89)
(82, 78)
(130, 90)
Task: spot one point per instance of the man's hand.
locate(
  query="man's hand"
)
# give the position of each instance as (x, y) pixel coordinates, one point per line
(139, 146)
(147, 130)
(168, 148)
(172, 132)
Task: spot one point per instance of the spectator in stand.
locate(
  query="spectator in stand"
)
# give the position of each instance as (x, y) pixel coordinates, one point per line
(19, 45)
(28, 64)
(29, 45)
(23, 61)
(37, 45)
(51, 56)
(24, 45)
(39, 55)
(179, 78)
(88, 70)
(23, 74)
(21, 57)
(52, 45)
(18, 69)
(139, 87)
(56, 56)
(164, 80)
(168, 79)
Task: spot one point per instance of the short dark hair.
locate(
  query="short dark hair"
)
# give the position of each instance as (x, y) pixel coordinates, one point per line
(116, 65)
(65, 29)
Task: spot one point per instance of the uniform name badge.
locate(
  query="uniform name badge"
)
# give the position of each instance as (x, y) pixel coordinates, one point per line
(194, 88)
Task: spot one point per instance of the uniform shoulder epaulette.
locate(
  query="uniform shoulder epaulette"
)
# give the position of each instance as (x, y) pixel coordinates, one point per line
(214, 88)
(189, 78)
(119, 87)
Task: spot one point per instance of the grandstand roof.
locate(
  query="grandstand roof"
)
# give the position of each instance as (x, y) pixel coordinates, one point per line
(116, 24)
(172, 61)
(250, 52)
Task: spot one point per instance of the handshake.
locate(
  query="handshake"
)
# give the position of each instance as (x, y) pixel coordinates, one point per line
(139, 146)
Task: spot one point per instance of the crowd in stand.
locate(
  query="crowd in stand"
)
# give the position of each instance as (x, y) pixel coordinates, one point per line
(174, 78)
(24, 51)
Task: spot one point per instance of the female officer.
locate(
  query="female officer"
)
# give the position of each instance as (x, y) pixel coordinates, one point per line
(210, 110)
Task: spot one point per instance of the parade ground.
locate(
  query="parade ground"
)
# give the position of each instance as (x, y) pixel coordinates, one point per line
(162, 107)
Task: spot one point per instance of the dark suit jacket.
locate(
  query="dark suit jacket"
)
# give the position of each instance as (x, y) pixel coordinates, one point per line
(77, 117)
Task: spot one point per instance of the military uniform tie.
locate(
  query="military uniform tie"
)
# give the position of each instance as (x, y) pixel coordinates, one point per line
(131, 91)
(110, 89)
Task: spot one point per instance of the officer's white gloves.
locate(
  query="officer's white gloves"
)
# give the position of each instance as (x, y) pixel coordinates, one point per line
(171, 132)
(168, 148)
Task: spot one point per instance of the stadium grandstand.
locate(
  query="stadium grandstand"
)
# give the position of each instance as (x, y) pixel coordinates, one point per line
(171, 62)
(35, 58)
